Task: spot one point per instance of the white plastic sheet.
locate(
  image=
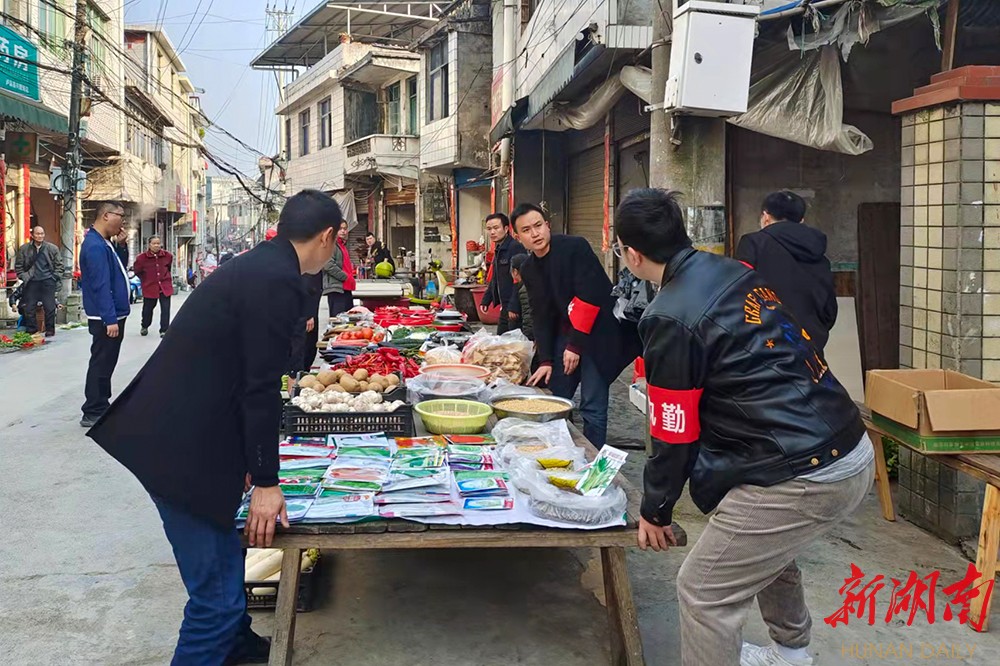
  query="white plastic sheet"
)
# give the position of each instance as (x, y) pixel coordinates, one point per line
(802, 100)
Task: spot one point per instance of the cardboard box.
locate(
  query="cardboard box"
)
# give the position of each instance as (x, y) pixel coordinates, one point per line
(935, 411)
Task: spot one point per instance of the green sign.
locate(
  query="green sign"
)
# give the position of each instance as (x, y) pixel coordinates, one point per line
(18, 68)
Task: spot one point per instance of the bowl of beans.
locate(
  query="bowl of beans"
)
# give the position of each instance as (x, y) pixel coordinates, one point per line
(532, 407)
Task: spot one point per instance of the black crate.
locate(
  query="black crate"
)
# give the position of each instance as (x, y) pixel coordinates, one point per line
(306, 598)
(398, 423)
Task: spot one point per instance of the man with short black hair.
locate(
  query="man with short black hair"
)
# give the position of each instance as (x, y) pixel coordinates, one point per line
(501, 284)
(39, 266)
(105, 291)
(199, 424)
(791, 258)
(742, 407)
(580, 342)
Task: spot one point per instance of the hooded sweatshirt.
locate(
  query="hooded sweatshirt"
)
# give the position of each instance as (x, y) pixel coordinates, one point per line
(791, 257)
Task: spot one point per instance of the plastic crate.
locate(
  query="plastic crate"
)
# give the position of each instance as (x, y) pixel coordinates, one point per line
(314, 424)
(306, 597)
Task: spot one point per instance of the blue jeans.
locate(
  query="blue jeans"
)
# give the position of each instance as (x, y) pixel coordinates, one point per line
(593, 393)
(210, 560)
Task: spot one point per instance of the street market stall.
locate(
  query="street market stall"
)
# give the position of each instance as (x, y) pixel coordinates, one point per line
(360, 472)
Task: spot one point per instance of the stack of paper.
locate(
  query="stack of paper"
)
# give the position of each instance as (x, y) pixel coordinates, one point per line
(356, 475)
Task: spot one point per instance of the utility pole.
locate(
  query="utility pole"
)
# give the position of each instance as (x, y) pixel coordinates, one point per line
(276, 23)
(71, 173)
(660, 147)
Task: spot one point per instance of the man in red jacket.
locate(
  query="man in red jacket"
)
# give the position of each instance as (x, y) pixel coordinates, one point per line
(153, 268)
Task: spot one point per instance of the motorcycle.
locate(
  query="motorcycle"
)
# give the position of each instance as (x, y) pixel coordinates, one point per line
(134, 288)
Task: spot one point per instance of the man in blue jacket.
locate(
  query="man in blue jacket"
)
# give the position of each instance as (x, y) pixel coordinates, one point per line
(104, 284)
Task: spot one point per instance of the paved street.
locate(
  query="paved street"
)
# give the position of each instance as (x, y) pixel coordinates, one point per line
(87, 576)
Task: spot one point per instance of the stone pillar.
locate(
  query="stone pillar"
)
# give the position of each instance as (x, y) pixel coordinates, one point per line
(949, 267)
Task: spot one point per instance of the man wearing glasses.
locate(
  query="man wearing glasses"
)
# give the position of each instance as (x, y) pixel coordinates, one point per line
(104, 284)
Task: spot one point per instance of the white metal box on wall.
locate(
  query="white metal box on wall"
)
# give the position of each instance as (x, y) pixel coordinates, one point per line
(710, 58)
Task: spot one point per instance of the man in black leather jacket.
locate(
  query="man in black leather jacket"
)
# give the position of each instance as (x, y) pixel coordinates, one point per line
(744, 407)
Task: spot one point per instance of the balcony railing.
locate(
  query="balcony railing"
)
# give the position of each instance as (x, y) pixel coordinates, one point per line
(390, 153)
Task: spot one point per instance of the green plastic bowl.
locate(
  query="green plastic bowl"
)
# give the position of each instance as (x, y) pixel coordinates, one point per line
(453, 417)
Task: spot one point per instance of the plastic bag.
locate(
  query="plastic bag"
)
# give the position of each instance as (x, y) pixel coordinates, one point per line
(529, 436)
(548, 501)
(443, 355)
(508, 356)
(431, 387)
(502, 387)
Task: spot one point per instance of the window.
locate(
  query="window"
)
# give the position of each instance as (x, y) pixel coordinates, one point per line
(97, 43)
(392, 109)
(304, 132)
(288, 138)
(325, 124)
(144, 143)
(52, 25)
(411, 98)
(527, 9)
(437, 83)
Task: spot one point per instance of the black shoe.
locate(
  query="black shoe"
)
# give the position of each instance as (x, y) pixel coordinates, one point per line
(144, 332)
(250, 649)
(49, 334)
(88, 421)
(163, 333)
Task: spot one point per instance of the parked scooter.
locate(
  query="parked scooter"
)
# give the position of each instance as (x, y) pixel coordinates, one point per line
(134, 288)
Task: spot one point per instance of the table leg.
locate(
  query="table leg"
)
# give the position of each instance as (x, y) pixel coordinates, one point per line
(626, 644)
(986, 557)
(882, 477)
(284, 613)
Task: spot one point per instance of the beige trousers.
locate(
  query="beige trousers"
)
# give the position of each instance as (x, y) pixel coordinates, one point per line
(748, 550)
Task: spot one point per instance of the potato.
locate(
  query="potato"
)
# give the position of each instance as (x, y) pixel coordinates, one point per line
(361, 375)
(327, 377)
(337, 374)
(334, 388)
(363, 386)
(374, 378)
(393, 379)
(310, 381)
(349, 383)
(377, 386)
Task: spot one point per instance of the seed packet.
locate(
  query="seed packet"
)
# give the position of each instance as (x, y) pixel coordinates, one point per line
(471, 466)
(481, 440)
(418, 496)
(563, 478)
(376, 439)
(408, 479)
(420, 510)
(305, 451)
(371, 451)
(489, 503)
(599, 474)
(297, 508)
(340, 505)
(432, 459)
(481, 483)
(419, 442)
(357, 479)
(299, 489)
(301, 439)
(300, 464)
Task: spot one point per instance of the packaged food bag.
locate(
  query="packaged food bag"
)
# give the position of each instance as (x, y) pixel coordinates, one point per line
(508, 356)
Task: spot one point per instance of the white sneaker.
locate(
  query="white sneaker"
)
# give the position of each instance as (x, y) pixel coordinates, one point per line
(755, 655)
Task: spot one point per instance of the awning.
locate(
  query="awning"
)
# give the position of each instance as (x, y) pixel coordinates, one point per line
(32, 113)
(509, 121)
(381, 66)
(319, 32)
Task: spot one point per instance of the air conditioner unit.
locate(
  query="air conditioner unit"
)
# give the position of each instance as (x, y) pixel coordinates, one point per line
(710, 58)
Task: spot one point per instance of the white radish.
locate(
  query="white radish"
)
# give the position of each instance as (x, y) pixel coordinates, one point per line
(255, 555)
(265, 567)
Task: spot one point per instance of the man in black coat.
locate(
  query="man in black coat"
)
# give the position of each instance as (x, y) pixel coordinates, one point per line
(501, 284)
(580, 341)
(791, 257)
(199, 423)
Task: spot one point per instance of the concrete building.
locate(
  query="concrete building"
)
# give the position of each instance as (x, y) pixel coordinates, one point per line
(34, 111)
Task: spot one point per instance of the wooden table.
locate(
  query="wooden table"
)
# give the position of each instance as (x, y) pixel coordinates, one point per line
(626, 646)
(984, 466)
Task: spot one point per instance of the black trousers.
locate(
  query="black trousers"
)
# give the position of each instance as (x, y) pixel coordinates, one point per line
(103, 359)
(339, 303)
(149, 304)
(304, 348)
(503, 324)
(44, 292)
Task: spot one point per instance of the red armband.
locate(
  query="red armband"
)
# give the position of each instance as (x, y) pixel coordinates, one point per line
(582, 315)
(673, 415)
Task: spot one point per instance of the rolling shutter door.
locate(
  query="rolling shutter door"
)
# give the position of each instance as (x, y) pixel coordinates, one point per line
(586, 197)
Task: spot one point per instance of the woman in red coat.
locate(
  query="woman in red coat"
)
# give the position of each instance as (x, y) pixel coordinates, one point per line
(153, 269)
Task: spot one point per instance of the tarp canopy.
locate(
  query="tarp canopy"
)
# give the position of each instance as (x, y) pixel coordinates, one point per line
(32, 113)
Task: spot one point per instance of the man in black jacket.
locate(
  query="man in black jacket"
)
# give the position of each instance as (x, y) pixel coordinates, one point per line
(501, 284)
(742, 406)
(199, 423)
(791, 258)
(580, 342)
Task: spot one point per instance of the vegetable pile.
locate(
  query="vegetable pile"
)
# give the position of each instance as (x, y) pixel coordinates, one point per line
(20, 340)
(344, 381)
(310, 400)
(264, 565)
(383, 361)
